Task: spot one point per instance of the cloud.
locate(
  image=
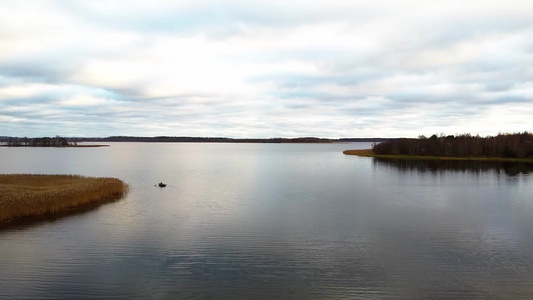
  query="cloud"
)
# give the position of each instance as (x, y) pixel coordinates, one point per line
(277, 68)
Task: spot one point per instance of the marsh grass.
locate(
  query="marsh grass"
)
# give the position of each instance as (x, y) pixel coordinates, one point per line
(24, 195)
(360, 152)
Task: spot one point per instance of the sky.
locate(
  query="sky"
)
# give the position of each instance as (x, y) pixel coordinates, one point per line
(259, 69)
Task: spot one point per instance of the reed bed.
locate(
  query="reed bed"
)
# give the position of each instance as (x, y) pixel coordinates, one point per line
(24, 195)
(360, 152)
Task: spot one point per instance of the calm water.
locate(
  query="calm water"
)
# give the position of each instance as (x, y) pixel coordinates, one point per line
(275, 221)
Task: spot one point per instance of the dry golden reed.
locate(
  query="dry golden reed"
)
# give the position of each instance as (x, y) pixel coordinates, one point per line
(24, 195)
(359, 152)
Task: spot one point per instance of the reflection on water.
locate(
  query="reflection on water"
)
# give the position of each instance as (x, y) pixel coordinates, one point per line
(440, 166)
(31, 221)
(274, 221)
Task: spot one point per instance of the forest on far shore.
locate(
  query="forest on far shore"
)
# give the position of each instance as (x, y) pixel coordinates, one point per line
(36, 142)
(516, 145)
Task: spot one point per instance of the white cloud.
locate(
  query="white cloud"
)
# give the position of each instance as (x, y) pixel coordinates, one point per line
(277, 68)
(26, 90)
(84, 101)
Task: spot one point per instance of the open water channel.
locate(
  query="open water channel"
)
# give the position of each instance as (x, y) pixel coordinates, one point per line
(275, 221)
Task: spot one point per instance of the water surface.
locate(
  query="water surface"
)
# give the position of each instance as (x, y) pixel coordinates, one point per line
(275, 221)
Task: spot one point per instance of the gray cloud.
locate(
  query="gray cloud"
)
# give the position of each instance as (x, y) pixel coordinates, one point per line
(280, 68)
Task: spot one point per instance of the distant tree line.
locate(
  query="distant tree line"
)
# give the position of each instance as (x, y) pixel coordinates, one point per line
(516, 145)
(36, 142)
(185, 139)
(364, 140)
(18, 141)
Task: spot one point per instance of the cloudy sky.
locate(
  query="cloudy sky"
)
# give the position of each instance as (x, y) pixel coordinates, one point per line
(265, 68)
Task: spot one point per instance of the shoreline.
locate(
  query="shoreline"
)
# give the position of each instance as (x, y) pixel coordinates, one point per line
(27, 196)
(370, 153)
(69, 146)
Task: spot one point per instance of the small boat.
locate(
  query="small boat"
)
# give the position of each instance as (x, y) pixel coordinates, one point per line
(162, 184)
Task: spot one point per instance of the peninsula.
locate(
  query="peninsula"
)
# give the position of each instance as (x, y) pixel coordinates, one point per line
(25, 195)
(516, 147)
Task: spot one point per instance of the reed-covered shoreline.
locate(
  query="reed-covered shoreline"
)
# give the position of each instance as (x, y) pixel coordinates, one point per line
(370, 153)
(27, 195)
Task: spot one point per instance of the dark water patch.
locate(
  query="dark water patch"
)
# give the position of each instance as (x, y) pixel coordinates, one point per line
(440, 166)
(25, 222)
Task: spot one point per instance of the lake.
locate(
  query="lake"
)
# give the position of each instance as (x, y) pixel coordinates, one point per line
(275, 221)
